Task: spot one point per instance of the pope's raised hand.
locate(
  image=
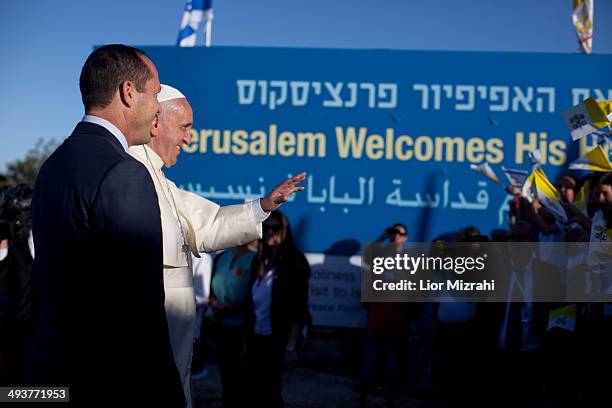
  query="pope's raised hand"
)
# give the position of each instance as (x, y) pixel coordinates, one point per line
(282, 192)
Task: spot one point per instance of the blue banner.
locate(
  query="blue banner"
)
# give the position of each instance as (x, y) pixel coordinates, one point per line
(385, 136)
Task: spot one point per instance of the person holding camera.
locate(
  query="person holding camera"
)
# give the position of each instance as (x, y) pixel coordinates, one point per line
(16, 263)
(396, 234)
(387, 323)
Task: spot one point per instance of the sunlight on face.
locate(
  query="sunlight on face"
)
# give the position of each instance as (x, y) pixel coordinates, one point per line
(175, 121)
(146, 106)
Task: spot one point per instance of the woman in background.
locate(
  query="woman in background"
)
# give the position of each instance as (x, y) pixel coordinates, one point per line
(279, 309)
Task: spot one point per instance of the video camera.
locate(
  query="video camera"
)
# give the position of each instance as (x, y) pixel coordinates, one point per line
(15, 211)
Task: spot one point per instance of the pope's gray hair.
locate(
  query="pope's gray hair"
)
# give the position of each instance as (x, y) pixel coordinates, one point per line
(168, 106)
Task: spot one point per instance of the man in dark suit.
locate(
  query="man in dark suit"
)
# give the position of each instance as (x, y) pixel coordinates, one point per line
(98, 282)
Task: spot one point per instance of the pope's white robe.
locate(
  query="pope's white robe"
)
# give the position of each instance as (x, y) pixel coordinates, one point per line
(208, 227)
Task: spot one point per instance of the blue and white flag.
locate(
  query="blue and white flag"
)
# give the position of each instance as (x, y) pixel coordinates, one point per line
(208, 10)
(192, 17)
(208, 15)
(516, 177)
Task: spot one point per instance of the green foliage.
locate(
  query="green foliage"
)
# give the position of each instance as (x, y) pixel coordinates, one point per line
(26, 169)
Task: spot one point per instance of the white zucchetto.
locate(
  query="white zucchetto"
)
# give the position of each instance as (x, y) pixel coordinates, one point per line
(167, 93)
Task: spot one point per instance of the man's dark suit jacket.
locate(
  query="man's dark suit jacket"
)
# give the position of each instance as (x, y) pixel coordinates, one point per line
(98, 280)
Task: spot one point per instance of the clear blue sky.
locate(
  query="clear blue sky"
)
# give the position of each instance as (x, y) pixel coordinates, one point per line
(44, 43)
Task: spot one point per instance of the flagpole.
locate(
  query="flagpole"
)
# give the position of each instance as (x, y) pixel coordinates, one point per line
(208, 27)
(208, 40)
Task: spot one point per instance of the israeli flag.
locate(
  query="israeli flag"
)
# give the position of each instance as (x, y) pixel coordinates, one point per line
(208, 10)
(192, 17)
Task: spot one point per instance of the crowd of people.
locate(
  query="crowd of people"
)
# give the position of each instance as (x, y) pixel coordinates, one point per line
(514, 352)
(457, 353)
(255, 311)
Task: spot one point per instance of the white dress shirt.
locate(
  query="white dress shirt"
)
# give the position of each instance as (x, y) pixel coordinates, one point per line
(108, 126)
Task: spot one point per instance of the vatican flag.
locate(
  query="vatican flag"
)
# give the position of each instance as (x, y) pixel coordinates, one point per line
(486, 171)
(595, 160)
(563, 318)
(588, 117)
(582, 17)
(538, 185)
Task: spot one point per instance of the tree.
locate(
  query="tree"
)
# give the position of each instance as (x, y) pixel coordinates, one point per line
(25, 170)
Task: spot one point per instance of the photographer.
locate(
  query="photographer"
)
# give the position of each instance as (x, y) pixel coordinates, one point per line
(16, 315)
(387, 324)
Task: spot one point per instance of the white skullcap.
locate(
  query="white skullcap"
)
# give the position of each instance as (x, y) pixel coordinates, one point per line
(167, 93)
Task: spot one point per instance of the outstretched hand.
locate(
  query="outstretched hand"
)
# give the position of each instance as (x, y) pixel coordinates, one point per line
(281, 193)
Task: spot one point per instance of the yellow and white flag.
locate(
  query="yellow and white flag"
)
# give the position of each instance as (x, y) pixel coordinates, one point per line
(582, 17)
(596, 159)
(538, 185)
(588, 117)
(486, 171)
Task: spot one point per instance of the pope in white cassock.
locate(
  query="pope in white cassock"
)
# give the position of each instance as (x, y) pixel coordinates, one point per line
(192, 224)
